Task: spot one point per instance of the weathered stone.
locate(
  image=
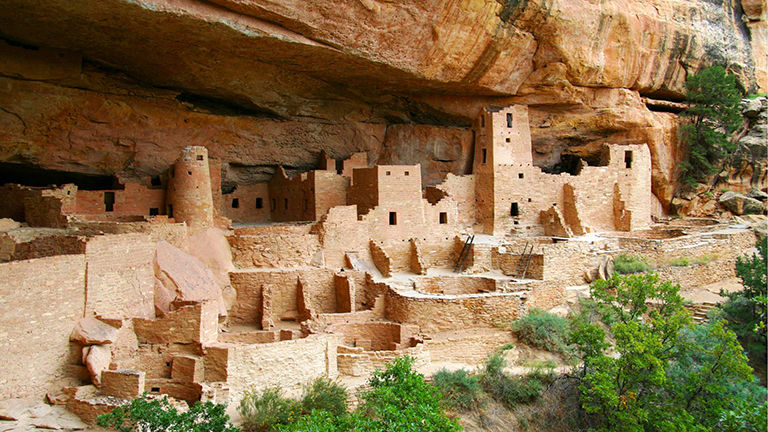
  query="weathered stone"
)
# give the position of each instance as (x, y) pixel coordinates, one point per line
(7, 224)
(123, 383)
(758, 194)
(740, 204)
(99, 357)
(183, 279)
(89, 331)
(13, 409)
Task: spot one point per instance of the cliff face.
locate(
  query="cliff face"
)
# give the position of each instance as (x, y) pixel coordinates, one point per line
(118, 86)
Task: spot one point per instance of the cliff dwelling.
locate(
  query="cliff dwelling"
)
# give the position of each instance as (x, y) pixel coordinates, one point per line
(170, 286)
(202, 199)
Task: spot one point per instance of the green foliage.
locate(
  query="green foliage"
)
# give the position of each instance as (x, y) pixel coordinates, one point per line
(159, 415)
(545, 330)
(745, 311)
(624, 264)
(460, 390)
(401, 400)
(323, 394)
(680, 262)
(713, 114)
(512, 390)
(261, 411)
(661, 373)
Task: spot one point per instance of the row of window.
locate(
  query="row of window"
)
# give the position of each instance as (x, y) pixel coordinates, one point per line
(443, 218)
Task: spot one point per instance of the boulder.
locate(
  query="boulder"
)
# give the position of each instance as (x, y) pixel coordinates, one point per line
(758, 194)
(752, 107)
(7, 224)
(99, 357)
(182, 279)
(739, 204)
(90, 331)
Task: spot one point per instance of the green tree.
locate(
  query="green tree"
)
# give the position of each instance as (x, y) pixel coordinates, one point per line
(142, 415)
(745, 310)
(660, 373)
(401, 400)
(713, 97)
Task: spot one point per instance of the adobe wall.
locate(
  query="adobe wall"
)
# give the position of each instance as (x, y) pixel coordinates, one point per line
(247, 209)
(461, 190)
(341, 233)
(196, 323)
(248, 284)
(508, 261)
(287, 364)
(120, 276)
(375, 336)
(26, 243)
(437, 313)
(135, 199)
(13, 201)
(356, 361)
(42, 301)
(455, 285)
(274, 250)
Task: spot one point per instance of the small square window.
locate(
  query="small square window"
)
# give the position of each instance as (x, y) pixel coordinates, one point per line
(407, 173)
(443, 218)
(393, 218)
(520, 175)
(529, 200)
(514, 210)
(235, 202)
(389, 172)
(199, 157)
(154, 211)
(508, 140)
(259, 203)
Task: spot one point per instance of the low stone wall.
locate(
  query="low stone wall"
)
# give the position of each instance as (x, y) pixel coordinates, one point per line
(356, 361)
(274, 250)
(455, 285)
(434, 313)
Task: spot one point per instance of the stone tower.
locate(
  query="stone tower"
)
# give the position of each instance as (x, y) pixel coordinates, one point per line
(189, 197)
(502, 139)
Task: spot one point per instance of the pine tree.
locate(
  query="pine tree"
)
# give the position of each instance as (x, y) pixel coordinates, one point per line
(713, 97)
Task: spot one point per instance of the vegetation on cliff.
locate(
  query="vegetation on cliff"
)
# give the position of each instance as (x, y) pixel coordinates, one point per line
(713, 97)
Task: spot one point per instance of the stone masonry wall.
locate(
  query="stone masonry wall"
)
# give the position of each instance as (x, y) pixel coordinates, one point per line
(42, 300)
(120, 276)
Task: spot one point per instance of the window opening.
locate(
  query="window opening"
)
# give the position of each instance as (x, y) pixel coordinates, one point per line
(170, 210)
(259, 203)
(407, 173)
(508, 140)
(154, 211)
(628, 158)
(285, 203)
(155, 181)
(443, 218)
(109, 201)
(393, 218)
(485, 155)
(520, 175)
(514, 210)
(199, 157)
(235, 202)
(509, 120)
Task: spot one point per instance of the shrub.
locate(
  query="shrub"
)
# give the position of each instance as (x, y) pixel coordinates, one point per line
(323, 394)
(401, 400)
(624, 264)
(542, 329)
(460, 390)
(159, 415)
(511, 390)
(680, 262)
(261, 411)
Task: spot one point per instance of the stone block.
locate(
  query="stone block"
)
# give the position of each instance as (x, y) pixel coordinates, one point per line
(122, 383)
(90, 331)
(187, 369)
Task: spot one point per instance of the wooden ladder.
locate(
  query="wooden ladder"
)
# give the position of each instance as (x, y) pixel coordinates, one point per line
(525, 261)
(464, 253)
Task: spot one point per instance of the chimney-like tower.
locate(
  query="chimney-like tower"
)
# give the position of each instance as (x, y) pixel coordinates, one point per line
(189, 197)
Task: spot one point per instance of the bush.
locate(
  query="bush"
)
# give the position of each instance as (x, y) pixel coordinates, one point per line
(680, 262)
(460, 390)
(261, 411)
(511, 390)
(545, 330)
(323, 394)
(159, 415)
(401, 400)
(624, 264)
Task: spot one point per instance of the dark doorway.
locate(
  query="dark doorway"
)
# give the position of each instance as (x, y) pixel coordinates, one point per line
(393, 218)
(109, 201)
(514, 210)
